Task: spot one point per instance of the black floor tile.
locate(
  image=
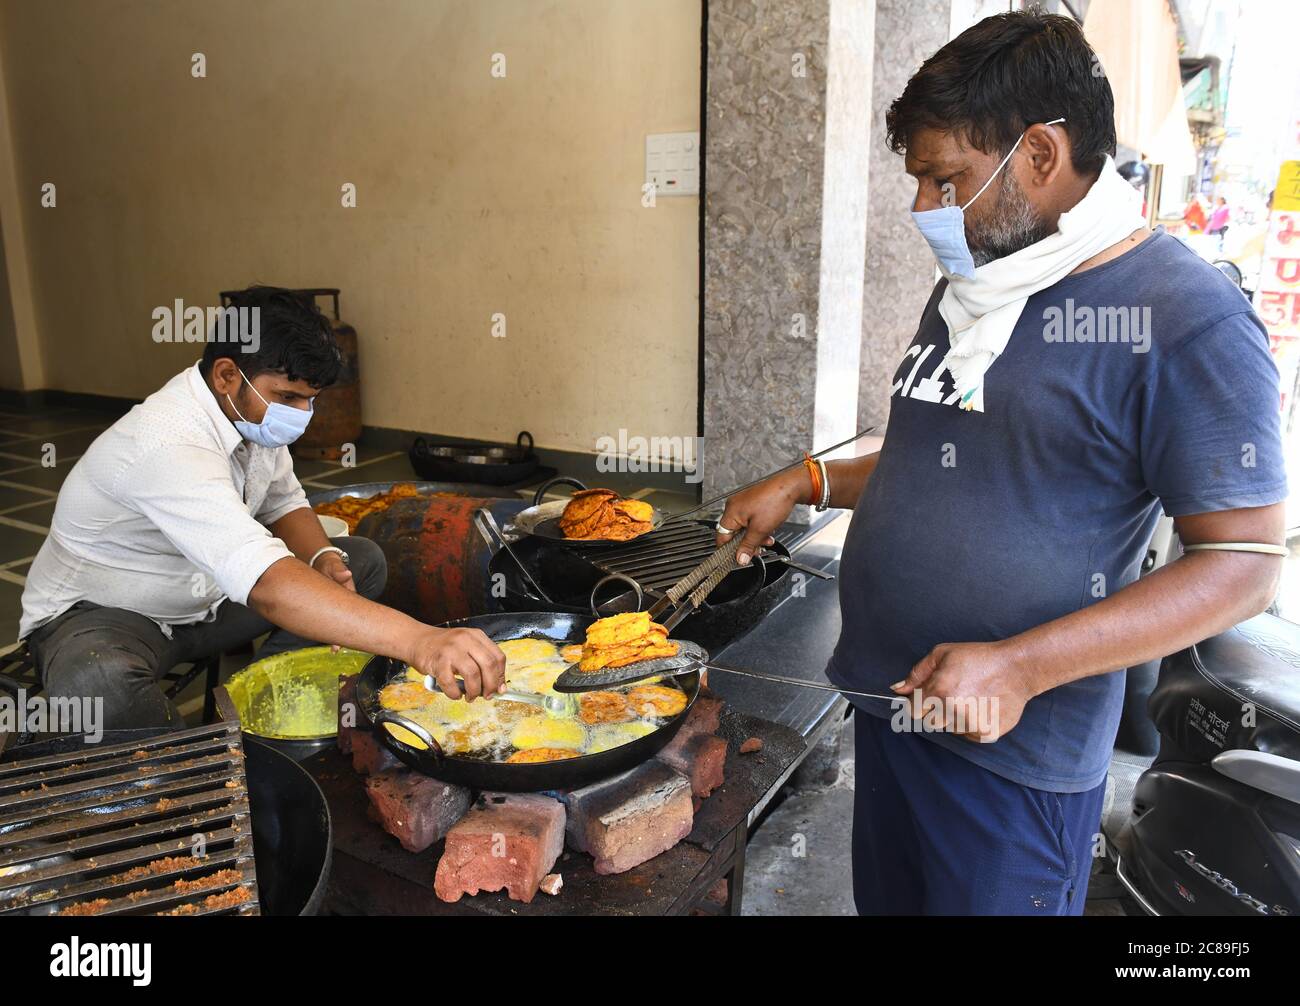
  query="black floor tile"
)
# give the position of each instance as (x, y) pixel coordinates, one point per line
(15, 543)
(10, 496)
(396, 469)
(40, 514)
(66, 445)
(11, 609)
(49, 479)
(57, 423)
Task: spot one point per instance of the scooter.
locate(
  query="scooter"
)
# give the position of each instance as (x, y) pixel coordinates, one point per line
(1202, 811)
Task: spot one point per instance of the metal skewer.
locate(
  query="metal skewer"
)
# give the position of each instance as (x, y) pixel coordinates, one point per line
(778, 679)
(763, 478)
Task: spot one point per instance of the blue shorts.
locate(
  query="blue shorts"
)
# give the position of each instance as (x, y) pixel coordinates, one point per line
(935, 834)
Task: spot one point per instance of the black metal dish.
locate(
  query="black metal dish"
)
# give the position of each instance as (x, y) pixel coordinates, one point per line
(486, 464)
(487, 775)
(542, 519)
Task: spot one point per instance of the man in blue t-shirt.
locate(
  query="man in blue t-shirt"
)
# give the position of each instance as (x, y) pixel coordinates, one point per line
(1073, 374)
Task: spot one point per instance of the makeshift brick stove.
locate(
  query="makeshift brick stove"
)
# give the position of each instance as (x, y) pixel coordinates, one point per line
(667, 837)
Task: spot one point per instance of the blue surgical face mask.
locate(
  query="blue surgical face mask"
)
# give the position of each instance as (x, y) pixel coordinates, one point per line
(944, 229)
(281, 426)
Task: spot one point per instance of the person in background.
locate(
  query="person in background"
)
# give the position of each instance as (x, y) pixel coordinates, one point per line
(1218, 224)
(183, 532)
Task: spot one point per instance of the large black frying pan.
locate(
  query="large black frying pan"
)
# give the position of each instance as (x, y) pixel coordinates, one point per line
(477, 773)
(542, 519)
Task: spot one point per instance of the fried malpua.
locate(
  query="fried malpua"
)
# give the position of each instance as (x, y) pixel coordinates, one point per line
(603, 514)
(402, 696)
(624, 639)
(603, 707)
(656, 700)
(534, 755)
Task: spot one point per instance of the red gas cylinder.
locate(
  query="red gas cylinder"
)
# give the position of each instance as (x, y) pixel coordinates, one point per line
(437, 560)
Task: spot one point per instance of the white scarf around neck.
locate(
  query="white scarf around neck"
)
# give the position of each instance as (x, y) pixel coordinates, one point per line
(981, 313)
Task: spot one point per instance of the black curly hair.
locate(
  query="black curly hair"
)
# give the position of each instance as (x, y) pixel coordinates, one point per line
(294, 338)
(1001, 76)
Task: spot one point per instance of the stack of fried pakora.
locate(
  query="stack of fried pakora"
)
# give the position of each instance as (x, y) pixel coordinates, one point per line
(624, 639)
(603, 514)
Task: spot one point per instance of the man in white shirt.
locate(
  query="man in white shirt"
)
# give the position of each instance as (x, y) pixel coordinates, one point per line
(182, 532)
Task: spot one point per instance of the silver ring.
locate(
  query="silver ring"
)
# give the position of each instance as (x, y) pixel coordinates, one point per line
(725, 530)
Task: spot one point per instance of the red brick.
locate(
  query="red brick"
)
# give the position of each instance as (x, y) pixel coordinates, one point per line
(705, 715)
(413, 808)
(704, 718)
(624, 821)
(370, 755)
(347, 698)
(507, 841)
(700, 758)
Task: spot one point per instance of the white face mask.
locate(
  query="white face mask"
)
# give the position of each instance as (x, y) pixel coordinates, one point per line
(280, 426)
(944, 229)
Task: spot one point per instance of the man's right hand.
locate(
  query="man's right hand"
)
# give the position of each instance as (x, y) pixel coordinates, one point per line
(467, 654)
(762, 509)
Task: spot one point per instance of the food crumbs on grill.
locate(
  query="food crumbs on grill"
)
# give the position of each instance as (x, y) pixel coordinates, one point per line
(751, 744)
(164, 804)
(86, 907)
(228, 899)
(214, 902)
(231, 784)
(137, 755)
(218, 879)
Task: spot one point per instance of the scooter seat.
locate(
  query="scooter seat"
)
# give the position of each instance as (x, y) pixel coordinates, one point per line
(1239, 690)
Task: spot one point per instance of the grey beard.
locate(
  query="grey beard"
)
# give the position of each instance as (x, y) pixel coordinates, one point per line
(1014, 225)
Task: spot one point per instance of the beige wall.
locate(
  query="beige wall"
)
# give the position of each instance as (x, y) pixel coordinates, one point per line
(475, 195)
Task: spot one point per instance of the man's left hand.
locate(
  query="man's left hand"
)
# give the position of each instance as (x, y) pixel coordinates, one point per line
(332, 565)
(982, 689)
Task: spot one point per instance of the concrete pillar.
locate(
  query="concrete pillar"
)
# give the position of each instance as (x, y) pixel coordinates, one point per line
(900, 270)
(785, 217)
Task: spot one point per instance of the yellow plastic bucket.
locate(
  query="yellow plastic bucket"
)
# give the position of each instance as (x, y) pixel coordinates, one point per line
(293, 696)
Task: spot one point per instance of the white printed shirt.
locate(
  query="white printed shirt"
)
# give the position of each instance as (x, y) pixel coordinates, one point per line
(165, 514)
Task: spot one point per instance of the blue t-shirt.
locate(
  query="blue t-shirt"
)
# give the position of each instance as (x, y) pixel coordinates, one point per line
(977, 526)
